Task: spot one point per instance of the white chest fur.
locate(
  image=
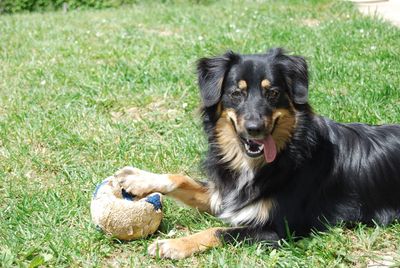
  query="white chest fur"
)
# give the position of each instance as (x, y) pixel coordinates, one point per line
(225, 206)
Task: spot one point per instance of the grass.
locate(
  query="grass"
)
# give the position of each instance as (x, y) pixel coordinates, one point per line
(87, 92)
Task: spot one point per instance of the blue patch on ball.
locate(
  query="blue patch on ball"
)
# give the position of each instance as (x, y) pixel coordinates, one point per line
(98, 187)
(127, 195)
(155, 201)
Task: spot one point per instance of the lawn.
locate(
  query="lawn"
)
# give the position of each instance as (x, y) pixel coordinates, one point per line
(85, 93)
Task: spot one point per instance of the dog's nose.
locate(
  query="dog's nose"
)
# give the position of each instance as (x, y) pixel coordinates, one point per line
(254, 127)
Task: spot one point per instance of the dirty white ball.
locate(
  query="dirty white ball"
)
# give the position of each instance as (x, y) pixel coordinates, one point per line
(119, 214)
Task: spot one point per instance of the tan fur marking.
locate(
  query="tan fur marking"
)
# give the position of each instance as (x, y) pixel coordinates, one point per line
(231, 114)
(219, 108)
(265, 83)
(228, 142)
(190, 192)
(242, 85)
(220, 81)
(183, 247)
(201, 240)
(264, 211)
(284, 127)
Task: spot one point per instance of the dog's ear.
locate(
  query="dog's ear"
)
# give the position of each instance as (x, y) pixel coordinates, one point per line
(295, 70)
(211, 73)
(298, 79)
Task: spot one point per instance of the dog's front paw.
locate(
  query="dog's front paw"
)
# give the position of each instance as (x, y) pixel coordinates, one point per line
(140, 183)
(172, 248)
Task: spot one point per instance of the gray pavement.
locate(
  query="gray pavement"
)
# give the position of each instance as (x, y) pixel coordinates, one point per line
(387, 9)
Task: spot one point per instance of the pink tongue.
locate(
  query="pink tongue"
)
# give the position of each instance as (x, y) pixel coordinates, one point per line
(269, 148)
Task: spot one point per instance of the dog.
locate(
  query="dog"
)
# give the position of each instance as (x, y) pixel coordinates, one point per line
(274, 167)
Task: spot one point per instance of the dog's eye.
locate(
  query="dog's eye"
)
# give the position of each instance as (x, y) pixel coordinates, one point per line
(272, 94)
(236, 95)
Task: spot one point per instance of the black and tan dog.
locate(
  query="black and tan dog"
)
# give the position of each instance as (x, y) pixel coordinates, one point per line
(273, 165)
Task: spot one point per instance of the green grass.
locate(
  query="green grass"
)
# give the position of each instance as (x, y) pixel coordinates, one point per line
(85, 93)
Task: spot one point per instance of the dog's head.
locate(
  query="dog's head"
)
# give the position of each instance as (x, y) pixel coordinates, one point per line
(254, 98)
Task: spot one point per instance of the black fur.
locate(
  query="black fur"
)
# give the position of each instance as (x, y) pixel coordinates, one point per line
(327, 173)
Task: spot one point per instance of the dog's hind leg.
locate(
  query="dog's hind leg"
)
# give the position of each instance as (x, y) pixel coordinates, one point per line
(190, 192)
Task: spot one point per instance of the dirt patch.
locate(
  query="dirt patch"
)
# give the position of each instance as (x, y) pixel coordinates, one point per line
(159, 31)
(153, 111)
(311, 22)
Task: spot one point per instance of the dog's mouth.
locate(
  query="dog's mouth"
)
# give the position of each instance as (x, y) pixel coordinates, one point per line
(257, 147)
(253, 148)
